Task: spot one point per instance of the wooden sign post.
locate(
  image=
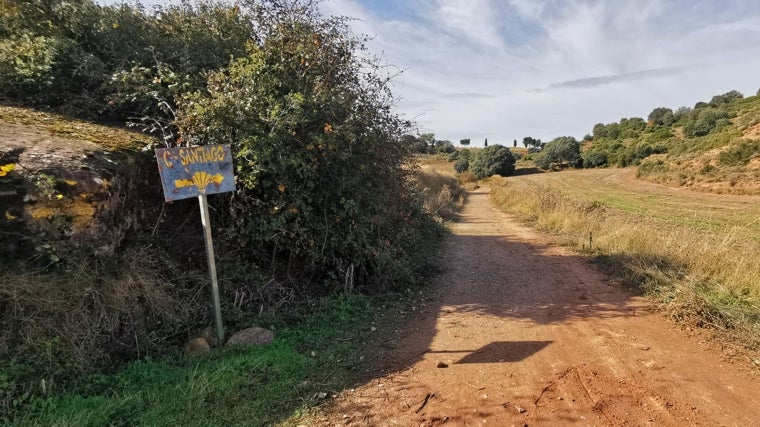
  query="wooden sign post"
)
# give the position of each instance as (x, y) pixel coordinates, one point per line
(198, 171)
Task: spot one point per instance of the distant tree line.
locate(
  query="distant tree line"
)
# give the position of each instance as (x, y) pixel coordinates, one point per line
(427, 144)
(628, 141)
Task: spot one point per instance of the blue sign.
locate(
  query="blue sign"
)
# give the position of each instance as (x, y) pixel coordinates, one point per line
(191, 171)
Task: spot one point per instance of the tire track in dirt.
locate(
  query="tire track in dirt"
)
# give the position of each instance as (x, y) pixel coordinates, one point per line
(524, 332)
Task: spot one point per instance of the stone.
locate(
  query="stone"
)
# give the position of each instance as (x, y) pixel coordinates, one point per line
(197, 346)
(252, 336)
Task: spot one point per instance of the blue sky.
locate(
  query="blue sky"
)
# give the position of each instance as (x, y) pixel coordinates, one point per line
(506, 69)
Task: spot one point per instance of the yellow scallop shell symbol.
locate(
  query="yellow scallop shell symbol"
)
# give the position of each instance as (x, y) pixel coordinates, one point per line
(201, 180)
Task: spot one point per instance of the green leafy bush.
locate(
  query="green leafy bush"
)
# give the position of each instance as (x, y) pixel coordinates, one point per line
(493, 160)
(323, 190)
(117, 62)
(594, 159)
(705, 120)
(462, 165)
(562, 151)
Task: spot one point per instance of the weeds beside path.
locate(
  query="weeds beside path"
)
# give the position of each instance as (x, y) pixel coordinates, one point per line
(524, 331)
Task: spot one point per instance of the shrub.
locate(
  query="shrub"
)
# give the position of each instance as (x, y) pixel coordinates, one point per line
(562, 151)
(323, 184)
(467, 178)
(462, 165)
(644, 149)
(117, 62)
(702, 121)
(594, 159)
(740, 154)
(493, 160)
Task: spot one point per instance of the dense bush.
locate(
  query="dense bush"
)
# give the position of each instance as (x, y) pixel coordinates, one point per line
(116, 62)
(320, 160)
(462, 165)
(322, 170)
(562, 151)
(594, 159)
(493, 160)
(704, 120)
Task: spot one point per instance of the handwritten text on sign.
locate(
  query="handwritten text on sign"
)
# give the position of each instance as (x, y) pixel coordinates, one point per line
(190, 171)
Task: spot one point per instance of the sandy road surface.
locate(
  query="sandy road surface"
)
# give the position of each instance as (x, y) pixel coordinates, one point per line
(532, 335)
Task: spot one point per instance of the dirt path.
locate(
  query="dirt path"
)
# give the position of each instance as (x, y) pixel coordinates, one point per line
(531, 334)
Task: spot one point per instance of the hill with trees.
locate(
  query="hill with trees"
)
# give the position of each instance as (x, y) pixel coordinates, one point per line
(714, 146)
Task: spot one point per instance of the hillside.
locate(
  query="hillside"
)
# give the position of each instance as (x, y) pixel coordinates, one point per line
(712, 147)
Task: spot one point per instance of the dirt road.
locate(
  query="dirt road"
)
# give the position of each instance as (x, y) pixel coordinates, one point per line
(523, 332)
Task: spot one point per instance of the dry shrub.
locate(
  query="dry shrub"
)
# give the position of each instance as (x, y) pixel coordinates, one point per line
(442, 194)
(468, 180)
(707, 277)
(59, 325)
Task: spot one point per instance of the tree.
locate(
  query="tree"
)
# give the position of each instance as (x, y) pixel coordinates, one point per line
(514, 143)
(493, 160)
(704, 120)
(725, 98)
(531, 142)
(599, 131)
(464, 142)
(661, 116)
(613, 130)
(486, 143)
(681, 113)
(429, 140)
(444, 146)
(563, 151)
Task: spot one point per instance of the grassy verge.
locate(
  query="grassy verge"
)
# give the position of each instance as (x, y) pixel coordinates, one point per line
(698, 259)
(311, 358)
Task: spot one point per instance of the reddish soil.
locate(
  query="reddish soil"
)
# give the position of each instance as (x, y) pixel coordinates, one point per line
(524, 332)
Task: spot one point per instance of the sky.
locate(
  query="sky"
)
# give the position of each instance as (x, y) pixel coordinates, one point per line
(507, 69)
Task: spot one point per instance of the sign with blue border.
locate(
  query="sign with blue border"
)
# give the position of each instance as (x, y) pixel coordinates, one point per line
(191, 171)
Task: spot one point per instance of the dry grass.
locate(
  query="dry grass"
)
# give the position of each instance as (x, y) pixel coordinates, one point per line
(442, 195)
(694, 252)
(56, 326)
(110, 138)
(468, 180)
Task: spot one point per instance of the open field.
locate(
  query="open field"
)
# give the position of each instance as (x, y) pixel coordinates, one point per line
(694, 252)
(619, 189)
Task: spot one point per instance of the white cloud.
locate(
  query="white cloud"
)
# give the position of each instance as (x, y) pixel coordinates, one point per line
(592, 61)
(475, 20)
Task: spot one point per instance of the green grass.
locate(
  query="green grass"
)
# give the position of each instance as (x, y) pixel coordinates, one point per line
(311, 358)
